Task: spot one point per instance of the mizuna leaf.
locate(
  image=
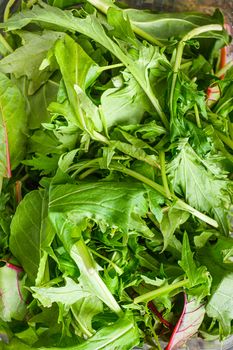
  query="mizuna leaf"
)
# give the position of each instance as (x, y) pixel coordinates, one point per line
(188, 324)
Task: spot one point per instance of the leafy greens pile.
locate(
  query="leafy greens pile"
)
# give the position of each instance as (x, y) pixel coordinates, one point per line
(116, 143)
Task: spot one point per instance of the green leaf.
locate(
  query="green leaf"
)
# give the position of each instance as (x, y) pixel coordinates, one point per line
(13, 126)
(31, 231)
(38, 103)
(172, 219)
(220, 304)
(67, 295)
(107, 203)
(13, 295)
(78, 71)
(167, 27)
(201, 189)
(125, 105)
(91, 27)
(198, 277)
(122, 334)
(32, 52)
(84, 310)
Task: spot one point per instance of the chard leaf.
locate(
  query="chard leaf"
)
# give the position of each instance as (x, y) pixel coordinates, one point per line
(13, 295)
(67, 295)
(12, 139)
(32, 52)
(188, 324)
(201, 189)
(31, 232)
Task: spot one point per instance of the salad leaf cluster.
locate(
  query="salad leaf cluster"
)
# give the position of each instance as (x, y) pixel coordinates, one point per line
(116, 143)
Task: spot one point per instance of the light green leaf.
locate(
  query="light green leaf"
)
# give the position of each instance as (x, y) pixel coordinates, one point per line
(198, 277)
(125, 105)
(108, 203)
(27, 59)
(90, 26)
(84, 310)
(122, 334)
(78, 71)
(220, 305)
(13, 125)
(38, 103)
(67, 295)
(31, 231)
(172, 219)
(201, 189)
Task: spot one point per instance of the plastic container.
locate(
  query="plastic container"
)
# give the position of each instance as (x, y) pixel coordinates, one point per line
(207, 6)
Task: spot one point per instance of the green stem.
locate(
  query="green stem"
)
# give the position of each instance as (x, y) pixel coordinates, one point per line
(7, 10)
(193, 33)
(117, 268)
(111, 66)
(88, 172)
(198, 121)
(5, 44)
(161, 190)
(163, 173)
(132, 173)
(160, 291)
